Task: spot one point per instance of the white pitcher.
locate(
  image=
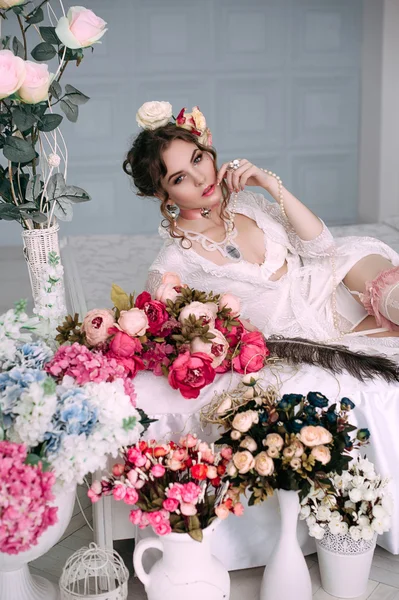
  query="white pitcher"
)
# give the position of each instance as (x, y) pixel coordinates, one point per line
(187, 569)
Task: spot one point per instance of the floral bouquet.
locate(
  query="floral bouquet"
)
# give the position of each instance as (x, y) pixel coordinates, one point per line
(357, 504)
(175, 487)
(25, 512)
(184, 334)
(284, 443)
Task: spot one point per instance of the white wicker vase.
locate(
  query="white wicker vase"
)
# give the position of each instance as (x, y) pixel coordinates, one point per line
(16, 581)
(344, 564)
(38, 243)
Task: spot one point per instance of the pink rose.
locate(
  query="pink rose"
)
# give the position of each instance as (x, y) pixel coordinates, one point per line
(211, 472)
(188, 441)
(124, 346)
(132, 477)
(172, 279)
(222, 512)
(238, 509)
(175, 491)
(131, 496)
(206, 311)
(274, 440)
(37, 81)
(170, 504)
(190, 373)
(155, 311)
(163, 528)
(119, 491)
(158, 470)
(80, 28)
(314, 435)
(135, 457)
(135, 516)
(93, 496)
(96, 487)
(118, 469)
(156, 517)
(227, 452)
(134, 322)
(12, 73)
(264, 465)
(253, 353)
(187, 509)
(232, 302)
(217, 348)
(322, 454)
(96, 324)
(166, 292)
(175, 465)
(190, 492)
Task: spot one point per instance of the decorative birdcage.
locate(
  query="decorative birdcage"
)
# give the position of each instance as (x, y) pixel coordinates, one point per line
(94, 573)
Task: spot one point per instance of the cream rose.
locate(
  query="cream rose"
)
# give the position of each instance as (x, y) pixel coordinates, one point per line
(224, 406)
(264, 465)
(206, 311)
(80, 28)
(231, 470)
(12, 73)
(152, 115)
(232, 302)
(273, 452)
(96, 325)
(37, 81)
(6, 4)
(249, 444)
(314, 435)
(289, 452)
(235, 435)
(299, 449)
(274, 440)
(217, 347)
(134, 322)
(206, 138)
(322, 454)
(243, 421)
(166, 292)
(243, 461)
(295, 463)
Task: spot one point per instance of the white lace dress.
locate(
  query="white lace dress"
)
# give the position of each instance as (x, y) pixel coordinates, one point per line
(300, 302)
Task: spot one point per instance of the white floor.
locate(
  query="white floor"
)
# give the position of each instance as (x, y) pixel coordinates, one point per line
(384, 578)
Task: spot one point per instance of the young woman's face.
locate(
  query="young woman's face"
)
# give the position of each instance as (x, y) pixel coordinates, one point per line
(190, 180)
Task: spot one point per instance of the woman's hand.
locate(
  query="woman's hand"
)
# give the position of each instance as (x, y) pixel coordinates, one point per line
(246, 174)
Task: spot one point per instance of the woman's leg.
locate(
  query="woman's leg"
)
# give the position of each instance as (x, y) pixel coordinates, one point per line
(377, 281)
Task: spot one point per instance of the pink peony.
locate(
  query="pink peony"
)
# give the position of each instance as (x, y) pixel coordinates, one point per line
(124, 346)
(190, 373)
(170, 504)
(163, 528)
(252, 353)
(171, 278)
(135, 457)
(175, 491)
(96, 324)
(166, 292)
(80, 28)
(233, 336)
(12, 73)
(155, 311)
(135, 516)
(134, 322)
(131, 496)
(231, 302)
(119, 491)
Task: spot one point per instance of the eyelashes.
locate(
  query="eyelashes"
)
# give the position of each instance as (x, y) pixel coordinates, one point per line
(196, 160)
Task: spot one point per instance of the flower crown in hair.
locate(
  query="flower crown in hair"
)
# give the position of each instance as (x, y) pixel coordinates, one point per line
(152, 115)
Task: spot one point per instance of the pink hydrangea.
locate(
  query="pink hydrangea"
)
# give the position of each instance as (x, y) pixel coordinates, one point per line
(25, 495)
(156, 356)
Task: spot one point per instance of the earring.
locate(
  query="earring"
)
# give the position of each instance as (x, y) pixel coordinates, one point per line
(205, 212)
(173, 210)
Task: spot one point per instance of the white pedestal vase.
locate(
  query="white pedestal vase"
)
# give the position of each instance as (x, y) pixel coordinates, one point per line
(345, 564)
(16, 582)
(286, 574)
(38, 243)
(186, 571)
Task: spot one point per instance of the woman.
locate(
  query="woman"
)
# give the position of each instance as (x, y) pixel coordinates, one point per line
(279, 258)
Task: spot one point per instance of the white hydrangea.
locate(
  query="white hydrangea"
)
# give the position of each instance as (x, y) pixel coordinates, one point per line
(11, 324)
(35, 410)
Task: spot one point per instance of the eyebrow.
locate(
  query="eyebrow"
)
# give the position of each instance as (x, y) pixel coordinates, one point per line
(178, 172)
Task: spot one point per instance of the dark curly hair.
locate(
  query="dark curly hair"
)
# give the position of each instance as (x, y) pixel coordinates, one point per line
(144, 163)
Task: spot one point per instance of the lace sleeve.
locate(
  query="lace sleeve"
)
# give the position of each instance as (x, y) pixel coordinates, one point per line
(154, 280)
(322, 245)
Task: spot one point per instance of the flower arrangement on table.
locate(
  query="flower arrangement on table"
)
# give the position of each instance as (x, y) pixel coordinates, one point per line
(184, 334)
(66, 425)
(175, 487)
(290, 442)
(357, 504)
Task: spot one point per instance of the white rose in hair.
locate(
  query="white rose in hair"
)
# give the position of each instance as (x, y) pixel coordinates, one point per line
(152, 115)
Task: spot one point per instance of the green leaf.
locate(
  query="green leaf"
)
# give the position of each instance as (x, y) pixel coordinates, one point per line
(43, 52)
(119, 297)
(23, 119)
(18, 10)
(63, 209)
(56, 186)
(9, 212)
(18, 47)
(196, 534)
(129, 423)
(75, 96)
(18, 150)
(49, 122)
(5, 42)
(33, 189)
(71, 110)
(75, 194)
(48, 34)
(56, 90)
(27, 206)
(38, 217)
(36, 16)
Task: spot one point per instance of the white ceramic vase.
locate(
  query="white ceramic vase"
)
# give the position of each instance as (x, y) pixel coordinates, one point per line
(344, 564)
(16, 581)
(186, 571)
(286, 574)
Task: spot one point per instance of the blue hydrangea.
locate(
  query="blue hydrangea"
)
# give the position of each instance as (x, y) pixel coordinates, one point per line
(53, 440)
(14, 382)
(76, 414)
(33, 355)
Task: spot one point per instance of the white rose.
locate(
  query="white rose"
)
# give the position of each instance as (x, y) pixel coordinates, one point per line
(344, 528)
(249, 444)
(323, 513)
(235, 435)
(217, 347)
(305, 512)
(355, 495)
(368, 495)
(317, 531)
(329, 501)
(355, 533)
(310, 520)
(80, 28)
(357, 481)
(244, 421)
(232, 302)
(335, 527)
(243, 461)
(379, 512)
(335, 516)
(152, 115)
(206, 311)
(314, 435)
(363, 521)
(350, 504)
(251, 378)
(231, 470)
(264, 465)
(379, 525)
(367, 533)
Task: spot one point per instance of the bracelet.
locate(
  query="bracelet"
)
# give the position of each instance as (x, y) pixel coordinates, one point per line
(280, 191)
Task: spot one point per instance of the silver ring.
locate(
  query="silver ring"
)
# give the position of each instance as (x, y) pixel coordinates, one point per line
(234, 164)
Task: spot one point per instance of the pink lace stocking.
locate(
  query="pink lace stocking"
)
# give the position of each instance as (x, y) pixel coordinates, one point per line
(381, 299)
